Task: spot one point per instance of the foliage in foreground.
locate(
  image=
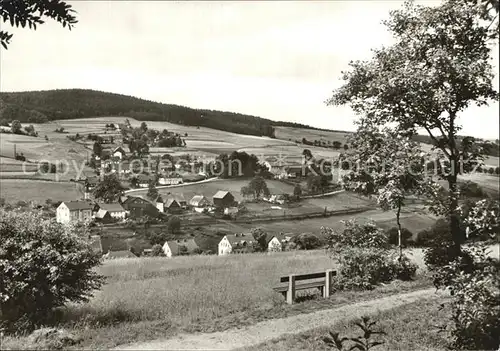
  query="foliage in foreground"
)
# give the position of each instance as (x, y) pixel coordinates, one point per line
(363, 342)
(475, 306)
(44, 265)
(364, 258)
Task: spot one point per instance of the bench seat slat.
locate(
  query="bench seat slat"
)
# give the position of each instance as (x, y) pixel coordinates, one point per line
(305, 276)
(301, 286)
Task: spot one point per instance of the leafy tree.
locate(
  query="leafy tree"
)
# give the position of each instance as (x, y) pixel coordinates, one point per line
(144, 126)
(44, 265)
(389, 166)
(31, 12)
(261, 237)
(336, 144)
(16, 127)
(109, 189)
(152, 191)
(437, 67)
(257, 187)
(174, 225)
(97, 149)
(157, 251)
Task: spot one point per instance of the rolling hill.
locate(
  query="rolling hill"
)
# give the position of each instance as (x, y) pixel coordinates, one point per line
(43, 106)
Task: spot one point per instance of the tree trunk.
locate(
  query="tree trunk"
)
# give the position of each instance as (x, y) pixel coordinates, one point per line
(400, 244)
(456, 234)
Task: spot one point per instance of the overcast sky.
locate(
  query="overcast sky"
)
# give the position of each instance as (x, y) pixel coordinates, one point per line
(278, 60)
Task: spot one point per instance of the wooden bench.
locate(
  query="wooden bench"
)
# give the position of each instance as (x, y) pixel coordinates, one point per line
(324, 285)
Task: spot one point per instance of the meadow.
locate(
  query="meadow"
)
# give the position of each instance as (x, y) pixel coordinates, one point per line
(149, 298)
(13, 190)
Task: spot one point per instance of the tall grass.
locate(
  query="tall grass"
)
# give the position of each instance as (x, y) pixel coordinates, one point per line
(185, 290)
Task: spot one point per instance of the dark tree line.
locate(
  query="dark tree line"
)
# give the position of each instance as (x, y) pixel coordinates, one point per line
(42, 106)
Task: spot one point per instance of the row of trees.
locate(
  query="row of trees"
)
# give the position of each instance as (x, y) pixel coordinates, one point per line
(325, 143)
(438, 65)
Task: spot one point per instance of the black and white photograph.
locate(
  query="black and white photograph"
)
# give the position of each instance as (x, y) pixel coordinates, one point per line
(249, 175)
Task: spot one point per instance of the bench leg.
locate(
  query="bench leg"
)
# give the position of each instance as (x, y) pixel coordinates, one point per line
(290, 294)
(328, 283)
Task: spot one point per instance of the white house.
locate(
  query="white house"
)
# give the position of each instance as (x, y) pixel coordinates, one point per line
(116, 210)
(274, 244)
(170, 180)
(74, 211)
(180, 247)
(118, 152)
(237, 243)
(199, 203)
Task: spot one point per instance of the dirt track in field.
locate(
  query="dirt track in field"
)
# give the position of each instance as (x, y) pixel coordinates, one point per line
(275, 328)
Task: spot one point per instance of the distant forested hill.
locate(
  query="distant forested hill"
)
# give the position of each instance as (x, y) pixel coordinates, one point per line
(43, 106)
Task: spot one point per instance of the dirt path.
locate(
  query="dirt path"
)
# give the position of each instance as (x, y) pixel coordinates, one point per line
(271, 329)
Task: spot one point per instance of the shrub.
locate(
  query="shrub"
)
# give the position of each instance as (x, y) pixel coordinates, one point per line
(364, 268)
(393, 236)
(439, 232)
(174, 224)
(157, 250)
(475, 303)
(44, 265)
(306, 241)
(357, 235)
(471, 189)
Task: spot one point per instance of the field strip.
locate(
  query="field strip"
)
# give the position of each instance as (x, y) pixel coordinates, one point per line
(265, 331)
(173, 186)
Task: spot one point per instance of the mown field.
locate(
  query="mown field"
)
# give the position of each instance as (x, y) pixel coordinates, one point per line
(147, 298)
(13, 190)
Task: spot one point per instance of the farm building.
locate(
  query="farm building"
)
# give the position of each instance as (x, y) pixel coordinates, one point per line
(237, 243)
(172, 206)
(179, 198)
(119, 152)
(103, 216)
(115, 209)
(275, 243)
(91, 182)
(199, 203)
(180, 247)
(74, 211)
(223, 199)
(170, 180)
(107, 139)
(139, 207)
(144, 180)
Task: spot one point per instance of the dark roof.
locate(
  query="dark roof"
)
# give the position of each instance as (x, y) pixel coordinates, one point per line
(221, 194)
(239, 238)
(78, 205)
(113, 207)
(177, 197)
(119, 148)
(172, 203)
(174, 245)
(102, 214)
(120, 254)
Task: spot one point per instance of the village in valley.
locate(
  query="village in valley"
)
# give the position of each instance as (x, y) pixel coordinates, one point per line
(138, 213)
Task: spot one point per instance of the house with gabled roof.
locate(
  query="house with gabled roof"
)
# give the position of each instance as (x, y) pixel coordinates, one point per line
(115, 209)
(138, 206)
(199, 203)
(180, 247)
(74, 211)
(236, 243)
(119, 152)
(103, 216)
(143, 180)
(119, 254)
(172, 206)
(223, 199)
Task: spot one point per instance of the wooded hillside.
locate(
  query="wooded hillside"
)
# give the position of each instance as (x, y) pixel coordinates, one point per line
(43, 106)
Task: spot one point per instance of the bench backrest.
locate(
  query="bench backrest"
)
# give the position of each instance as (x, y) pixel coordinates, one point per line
(306, 276)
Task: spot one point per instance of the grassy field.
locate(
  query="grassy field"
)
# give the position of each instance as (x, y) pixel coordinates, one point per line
(149, 298)
(409, 327)
(13, 190)
(293, 134)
